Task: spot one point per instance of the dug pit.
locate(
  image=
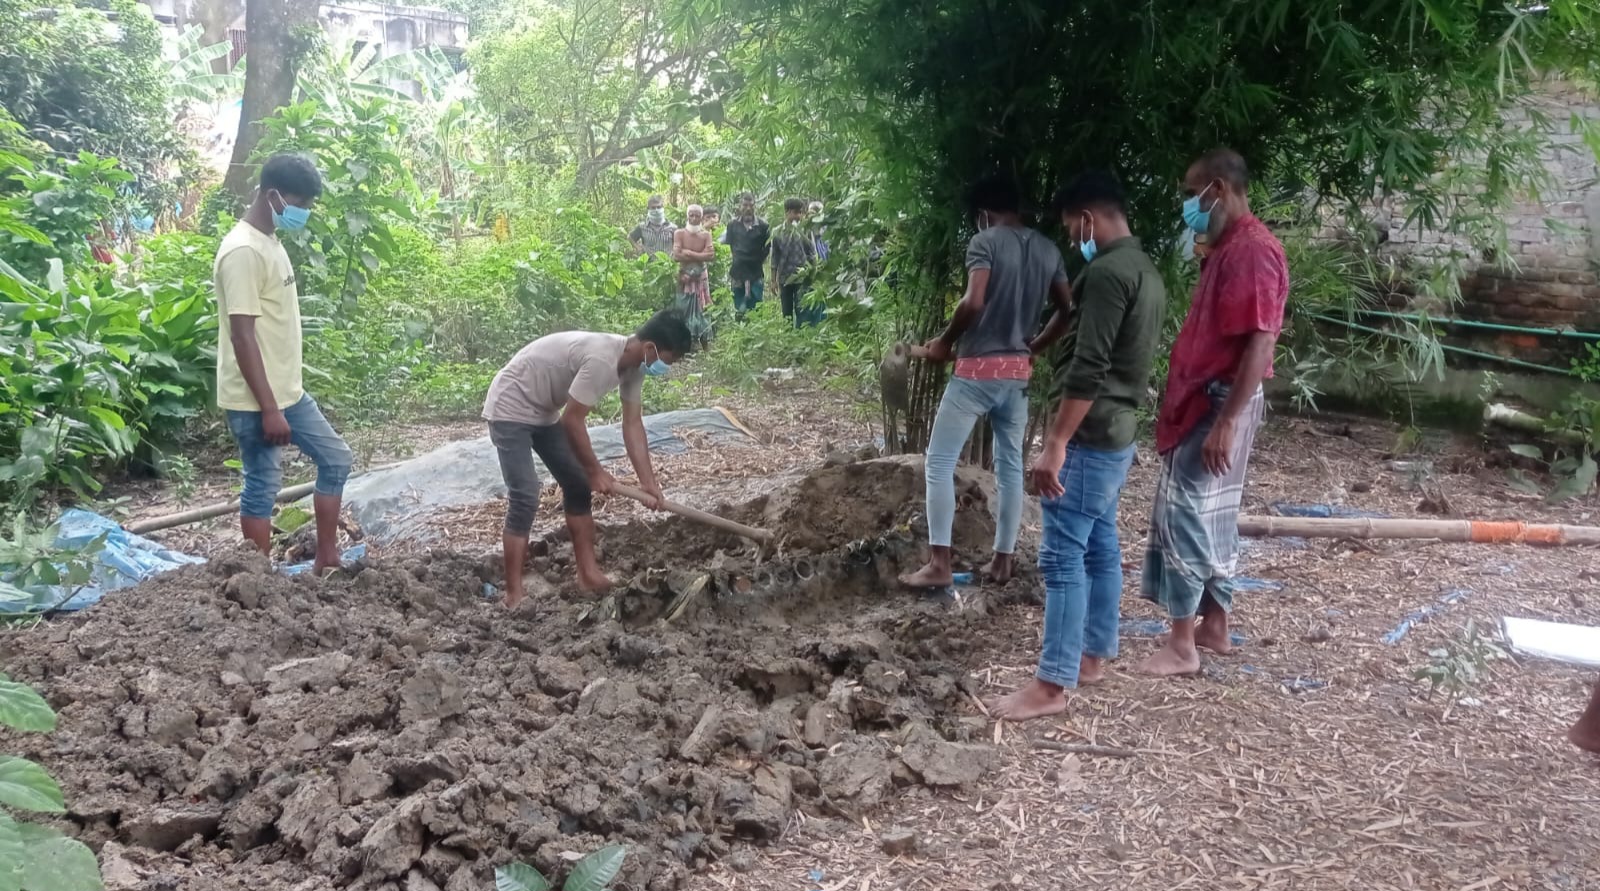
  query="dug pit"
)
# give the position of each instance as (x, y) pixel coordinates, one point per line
(227, 727)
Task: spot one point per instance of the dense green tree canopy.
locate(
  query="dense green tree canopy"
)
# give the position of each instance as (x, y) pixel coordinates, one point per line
(89, 76)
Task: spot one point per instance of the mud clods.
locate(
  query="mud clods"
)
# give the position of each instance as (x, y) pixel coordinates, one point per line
(223, 727)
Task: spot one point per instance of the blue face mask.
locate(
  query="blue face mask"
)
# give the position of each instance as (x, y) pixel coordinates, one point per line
(1087, 247)
(656, 368)
(1195, 218)
(291, 217)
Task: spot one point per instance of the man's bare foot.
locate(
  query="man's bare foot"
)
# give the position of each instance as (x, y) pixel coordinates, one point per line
(999, 569)
(1170, 662)
(595, 582)
(929, 576)
(1091, 671)
(1035, 700)
(1212, 634)
(322, 569)
(514, 596)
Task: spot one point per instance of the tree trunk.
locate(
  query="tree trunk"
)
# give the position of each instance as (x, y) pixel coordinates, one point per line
(272, 54)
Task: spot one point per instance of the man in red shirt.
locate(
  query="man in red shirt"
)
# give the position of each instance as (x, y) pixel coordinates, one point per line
(1210, 412)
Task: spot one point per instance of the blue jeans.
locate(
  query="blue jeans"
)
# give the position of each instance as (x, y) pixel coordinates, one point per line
(263, 470)
(1081, 561)
(964, 402)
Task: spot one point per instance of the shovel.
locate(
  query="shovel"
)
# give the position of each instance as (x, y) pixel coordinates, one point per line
(699, 516)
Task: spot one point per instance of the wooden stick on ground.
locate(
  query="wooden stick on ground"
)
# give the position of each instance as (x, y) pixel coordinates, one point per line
(1083, 749)
(700, 516)
(1478, 531)
(195, 515)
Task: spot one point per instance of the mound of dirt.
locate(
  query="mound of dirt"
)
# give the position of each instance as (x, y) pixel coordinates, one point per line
(226, 727)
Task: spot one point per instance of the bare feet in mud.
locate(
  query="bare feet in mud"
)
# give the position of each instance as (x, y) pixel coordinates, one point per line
(1037, 699)
(1170, 661)
(998, 570)
(514, 597)
(1212, 634)
(1091, 671)
(929, 576)
(594, 582)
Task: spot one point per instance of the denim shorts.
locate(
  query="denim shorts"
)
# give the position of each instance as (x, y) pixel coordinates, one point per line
(263, 461)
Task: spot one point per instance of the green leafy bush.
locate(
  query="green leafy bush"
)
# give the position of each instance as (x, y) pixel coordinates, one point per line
(33, 857)
(593, 873)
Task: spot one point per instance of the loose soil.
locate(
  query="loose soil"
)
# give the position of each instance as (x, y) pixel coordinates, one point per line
(228, 727)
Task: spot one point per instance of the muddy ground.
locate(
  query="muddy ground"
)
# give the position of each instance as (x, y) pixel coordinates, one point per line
(226, 727)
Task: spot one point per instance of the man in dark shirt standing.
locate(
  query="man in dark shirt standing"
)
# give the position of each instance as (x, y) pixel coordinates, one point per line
(1114, 329)
(748, 236)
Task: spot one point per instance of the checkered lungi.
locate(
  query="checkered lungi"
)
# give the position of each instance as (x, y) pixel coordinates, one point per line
(1194, 526)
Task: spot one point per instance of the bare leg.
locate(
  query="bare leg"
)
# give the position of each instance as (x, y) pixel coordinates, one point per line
(1179, 656)
(516, 554)
(935, 574)
(1091, 671)
(1586, 733)
(326, 508)
(1036, 699)
(1212, 631)
(999, 569)
(258, 531)
(590, 578)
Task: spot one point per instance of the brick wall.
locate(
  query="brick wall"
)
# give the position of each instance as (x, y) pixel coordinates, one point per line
(1555, 244)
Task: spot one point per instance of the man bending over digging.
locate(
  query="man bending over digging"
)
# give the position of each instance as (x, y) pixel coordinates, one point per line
(539, 402)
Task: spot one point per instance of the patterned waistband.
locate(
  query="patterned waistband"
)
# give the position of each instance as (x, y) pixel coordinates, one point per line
(995, 368)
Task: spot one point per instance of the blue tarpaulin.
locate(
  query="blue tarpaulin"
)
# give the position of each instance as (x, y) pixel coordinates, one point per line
(124, 561)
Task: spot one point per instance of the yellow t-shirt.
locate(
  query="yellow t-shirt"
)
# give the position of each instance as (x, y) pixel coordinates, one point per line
(254, 278)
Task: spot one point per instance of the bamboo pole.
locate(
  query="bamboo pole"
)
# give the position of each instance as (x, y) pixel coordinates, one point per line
(195, 515)
(699, 516)
(1476, 531)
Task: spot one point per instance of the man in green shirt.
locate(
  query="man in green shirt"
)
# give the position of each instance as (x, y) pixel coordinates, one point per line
(1113, 332)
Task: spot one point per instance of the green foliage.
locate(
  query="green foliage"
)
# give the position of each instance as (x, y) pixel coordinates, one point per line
(90, 369)
(66, 200)
(190, 78)
(1575, 428)
(35, 858)
(1460, 664)
(594, 872)
(39, 577)
(78, 80)
(366, 189)
(1587, 366)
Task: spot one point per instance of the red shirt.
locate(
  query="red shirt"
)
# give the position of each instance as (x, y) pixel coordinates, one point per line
(1244, 283)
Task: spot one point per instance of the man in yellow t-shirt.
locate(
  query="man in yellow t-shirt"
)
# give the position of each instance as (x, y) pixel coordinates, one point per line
(258, 359)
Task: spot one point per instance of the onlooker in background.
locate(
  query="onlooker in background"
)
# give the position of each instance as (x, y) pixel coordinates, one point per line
(1210, 413)
(818, 229)
(1114, 331)
(539, 404)
(692, 248)
(792, 251)
(1586, 733)
(1011, 269)
(258, 359)
(713, 222)
(654, 235)
(749, 236)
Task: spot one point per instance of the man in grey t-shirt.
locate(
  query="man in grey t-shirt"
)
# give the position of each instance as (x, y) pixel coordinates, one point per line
(1010, 271)
(539, 402)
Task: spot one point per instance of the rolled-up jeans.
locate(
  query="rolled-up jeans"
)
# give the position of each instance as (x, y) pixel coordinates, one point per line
(1081, 561)
(1005, 403)
(515, 444)
(262, 461)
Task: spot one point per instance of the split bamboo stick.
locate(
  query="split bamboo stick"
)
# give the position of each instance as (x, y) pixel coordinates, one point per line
(1477, 531)
(699, 516)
